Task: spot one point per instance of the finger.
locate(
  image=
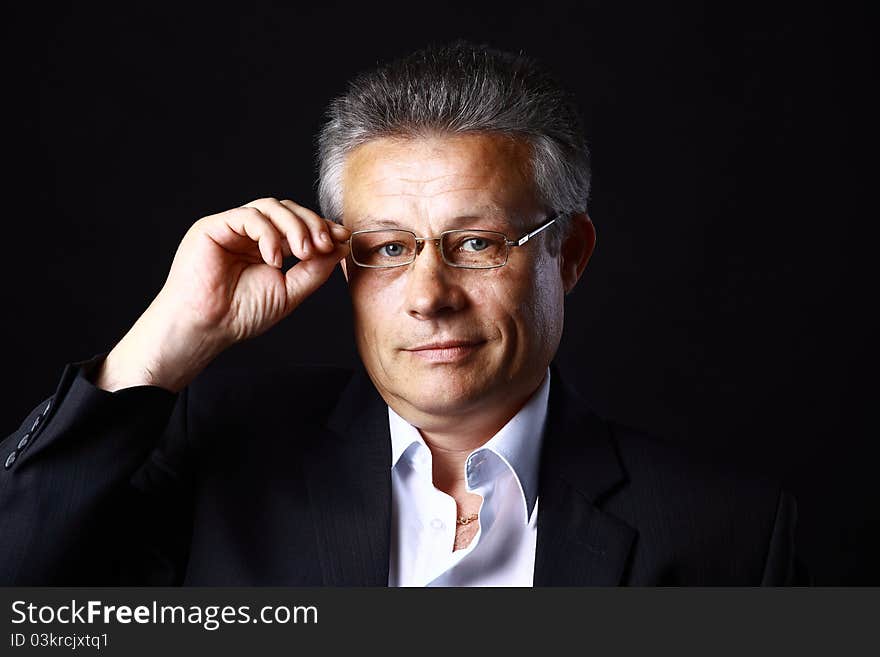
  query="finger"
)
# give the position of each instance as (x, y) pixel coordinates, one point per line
(319, 233)
(286, 251)
(296, 232)
(340, 232)
(307, 276)
(322, 231)
(251, 223)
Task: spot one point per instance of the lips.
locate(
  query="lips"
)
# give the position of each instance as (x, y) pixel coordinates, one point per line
(446, 344)
(445, 351)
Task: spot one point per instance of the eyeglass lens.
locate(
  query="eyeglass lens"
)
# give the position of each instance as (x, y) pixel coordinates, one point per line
(461, 248)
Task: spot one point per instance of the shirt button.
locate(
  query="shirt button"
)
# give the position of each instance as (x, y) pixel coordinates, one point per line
(36, 423)
(24, 440)
(437, 524)
(10, 459)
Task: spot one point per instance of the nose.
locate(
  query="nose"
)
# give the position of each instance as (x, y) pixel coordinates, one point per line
(432, 288)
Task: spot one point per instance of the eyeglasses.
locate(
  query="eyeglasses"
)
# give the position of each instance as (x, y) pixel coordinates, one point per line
(470, 249)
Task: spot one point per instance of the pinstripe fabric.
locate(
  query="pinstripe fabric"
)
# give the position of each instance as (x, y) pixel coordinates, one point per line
(283, 478)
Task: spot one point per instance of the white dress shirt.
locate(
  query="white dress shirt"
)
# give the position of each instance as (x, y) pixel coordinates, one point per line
(504, 471)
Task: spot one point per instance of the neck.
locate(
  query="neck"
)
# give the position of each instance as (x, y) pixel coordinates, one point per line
(451, 442)
(449, 451)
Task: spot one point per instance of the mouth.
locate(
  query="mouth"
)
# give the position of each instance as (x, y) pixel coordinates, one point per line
(448, 351)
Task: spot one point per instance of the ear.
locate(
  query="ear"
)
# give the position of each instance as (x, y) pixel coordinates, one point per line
(577, 247)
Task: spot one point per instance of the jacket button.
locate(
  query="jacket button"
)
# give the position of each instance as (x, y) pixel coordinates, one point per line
(24, 440)
(11, 459)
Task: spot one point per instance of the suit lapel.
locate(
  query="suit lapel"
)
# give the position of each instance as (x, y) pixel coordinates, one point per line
(348, 474)
(578, 544)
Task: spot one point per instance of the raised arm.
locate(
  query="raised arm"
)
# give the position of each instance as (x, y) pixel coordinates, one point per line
(94, 484)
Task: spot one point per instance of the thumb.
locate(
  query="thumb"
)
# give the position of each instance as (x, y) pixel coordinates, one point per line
(308, 275)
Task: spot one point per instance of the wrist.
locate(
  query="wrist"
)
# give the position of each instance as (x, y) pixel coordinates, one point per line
(160, 350)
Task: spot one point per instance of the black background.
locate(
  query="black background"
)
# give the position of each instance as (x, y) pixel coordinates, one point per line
(728, 303)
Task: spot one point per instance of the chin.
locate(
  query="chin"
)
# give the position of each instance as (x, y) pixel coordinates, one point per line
(443, 390)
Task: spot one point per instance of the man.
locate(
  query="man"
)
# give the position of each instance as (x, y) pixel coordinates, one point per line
(453, 187)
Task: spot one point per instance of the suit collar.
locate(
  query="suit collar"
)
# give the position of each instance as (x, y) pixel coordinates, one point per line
(348, 477)
(578, 543)
(580, 450)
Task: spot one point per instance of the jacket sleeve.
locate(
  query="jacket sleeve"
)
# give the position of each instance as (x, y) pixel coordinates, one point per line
(94, 487)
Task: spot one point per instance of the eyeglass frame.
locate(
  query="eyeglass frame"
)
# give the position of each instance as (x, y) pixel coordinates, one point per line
(438, 240)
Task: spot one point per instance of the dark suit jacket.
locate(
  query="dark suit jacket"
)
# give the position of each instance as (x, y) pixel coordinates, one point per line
(284, 479)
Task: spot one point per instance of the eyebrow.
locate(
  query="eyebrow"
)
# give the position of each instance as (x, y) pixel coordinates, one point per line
(483, 213)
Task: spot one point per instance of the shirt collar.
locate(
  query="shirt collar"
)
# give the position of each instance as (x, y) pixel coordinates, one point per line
(517, 443)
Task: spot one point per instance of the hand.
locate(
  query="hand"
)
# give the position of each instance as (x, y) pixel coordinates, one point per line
(225, 285)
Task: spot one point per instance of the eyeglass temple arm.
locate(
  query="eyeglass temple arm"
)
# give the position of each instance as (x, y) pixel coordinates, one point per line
(525, 238)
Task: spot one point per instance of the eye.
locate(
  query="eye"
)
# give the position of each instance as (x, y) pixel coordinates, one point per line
(391, 249)
(474, 244)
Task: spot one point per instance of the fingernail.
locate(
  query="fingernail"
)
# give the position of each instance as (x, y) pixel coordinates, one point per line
(305, 246)
(324, 237)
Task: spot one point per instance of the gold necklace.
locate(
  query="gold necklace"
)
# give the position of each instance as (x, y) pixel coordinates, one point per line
(466, 520)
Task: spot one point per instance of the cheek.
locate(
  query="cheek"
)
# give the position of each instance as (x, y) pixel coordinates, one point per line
(528, 308)
(375, 302)
(547, 308)
(509, 304)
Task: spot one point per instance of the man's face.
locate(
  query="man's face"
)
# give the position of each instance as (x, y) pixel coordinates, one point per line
(507, 320)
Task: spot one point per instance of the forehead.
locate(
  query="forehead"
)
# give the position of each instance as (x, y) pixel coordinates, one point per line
(439, 176)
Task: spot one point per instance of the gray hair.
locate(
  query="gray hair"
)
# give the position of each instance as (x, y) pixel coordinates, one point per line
(460, 88)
